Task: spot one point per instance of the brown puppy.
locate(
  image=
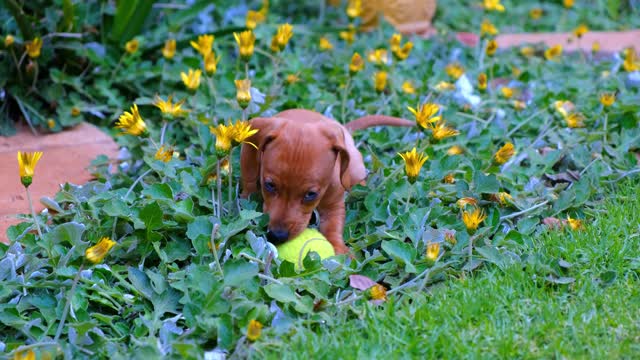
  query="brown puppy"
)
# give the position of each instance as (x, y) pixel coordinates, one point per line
(305, 161)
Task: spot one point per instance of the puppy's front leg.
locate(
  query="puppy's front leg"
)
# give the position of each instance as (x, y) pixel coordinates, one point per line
(332, 224)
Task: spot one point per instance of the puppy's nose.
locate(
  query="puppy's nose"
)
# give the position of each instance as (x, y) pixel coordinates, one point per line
(277, 236)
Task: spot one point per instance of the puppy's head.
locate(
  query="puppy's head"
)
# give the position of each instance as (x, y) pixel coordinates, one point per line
(294, 165)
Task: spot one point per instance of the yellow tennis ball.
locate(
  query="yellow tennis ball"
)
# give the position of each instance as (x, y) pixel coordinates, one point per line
(296, 249)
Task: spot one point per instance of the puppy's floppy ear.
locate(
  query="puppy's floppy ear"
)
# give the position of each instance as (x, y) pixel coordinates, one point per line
(352, 169)
(250, 156)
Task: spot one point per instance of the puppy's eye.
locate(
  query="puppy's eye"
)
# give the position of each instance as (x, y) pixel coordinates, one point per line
(269, 186)
(310, 196)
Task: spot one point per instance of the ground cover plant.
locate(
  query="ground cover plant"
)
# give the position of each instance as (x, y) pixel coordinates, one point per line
(161, 257)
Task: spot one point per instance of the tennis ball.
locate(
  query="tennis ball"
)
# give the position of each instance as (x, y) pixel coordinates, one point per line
(296, 249)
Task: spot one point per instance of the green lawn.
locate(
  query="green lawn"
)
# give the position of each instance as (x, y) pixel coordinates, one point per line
(509, 313)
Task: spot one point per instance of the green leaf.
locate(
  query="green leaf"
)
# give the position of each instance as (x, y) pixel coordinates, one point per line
(140, 282)
(487, 184)
(70, 233)
(129, 19)
(159, 192)
(238, 272)
(151, 215)
(492, 255)
(281, 292)
(401, 252)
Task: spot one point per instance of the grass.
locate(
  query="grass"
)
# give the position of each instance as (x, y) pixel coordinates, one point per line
(508, 313)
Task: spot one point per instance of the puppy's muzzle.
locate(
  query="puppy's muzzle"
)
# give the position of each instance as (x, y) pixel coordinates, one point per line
(277, 236)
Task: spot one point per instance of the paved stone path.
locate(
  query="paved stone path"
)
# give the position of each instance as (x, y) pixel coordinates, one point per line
(66, 156)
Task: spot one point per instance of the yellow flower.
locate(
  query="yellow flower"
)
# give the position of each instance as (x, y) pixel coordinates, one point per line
(9, 40)
(527, 51)
(564, 107)
(493, 5)
(204, 44)
(164, 154)
(515, 71)
(224, 137)
(27, 164)
(631, 62)
(462, 202)
(482, 81)
(132, 46)
(169, 108)
(507, 92)
(568, 3)
(354, 8)
(454, 70)
(413, 163)
(553, 53)
(241, 131)
(131, 122)
(580, 30)
(455, 150)
(492, 47)
(75, 111)
(254, 330)
(575, 224)
(192, 79)
(243, 92)
(378, 57)
(595, 47)
(433, 250)
(449, 179)
(536, 13)
(440, 131)
(254, 18)
(473, 219)
(378, 292)
(426, 114)
(350, 35)
(28, 355)
(33, 47)
(380, 81)
(403, 52)
(408, 88)
(169, 49)
(445, 86)
(325, 44)
(607, 99)
(211, 63)
(450, 237)
(245, 41)
(292, 79)
(519, 105)
(574, 120)
(395, 41)
(487, 28)
(97, 252)
(357, 64)
(282, 37)
(504, 153)
(51, 123)
(264, 10)
(504, 198)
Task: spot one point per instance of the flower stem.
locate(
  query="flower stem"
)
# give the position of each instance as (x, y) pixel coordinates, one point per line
(344, 100)
(214, 232)
(406, 204)
(606, 120)
(33, 212)
(65, 312)
(219, 188)
(164, 128)
(135, 183)
(230, 189)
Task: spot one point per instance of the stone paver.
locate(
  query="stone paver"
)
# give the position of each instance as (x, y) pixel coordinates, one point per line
(66, 157)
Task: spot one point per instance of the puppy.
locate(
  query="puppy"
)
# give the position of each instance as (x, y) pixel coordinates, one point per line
(305, 161)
